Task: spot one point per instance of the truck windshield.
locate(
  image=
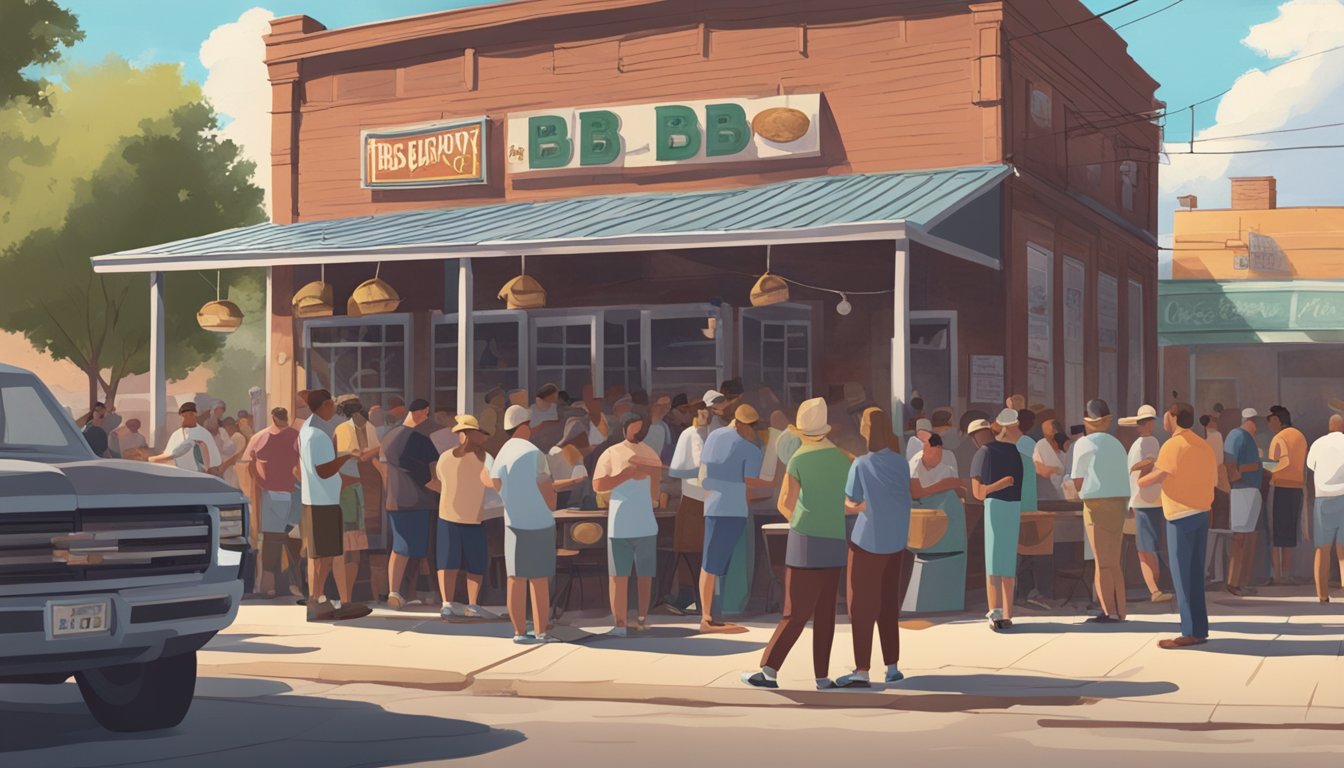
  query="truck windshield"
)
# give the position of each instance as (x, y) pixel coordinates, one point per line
(31, 422)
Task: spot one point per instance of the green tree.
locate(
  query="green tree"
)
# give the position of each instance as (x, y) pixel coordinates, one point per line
(153, 187)
(32, 32)
(240, 363)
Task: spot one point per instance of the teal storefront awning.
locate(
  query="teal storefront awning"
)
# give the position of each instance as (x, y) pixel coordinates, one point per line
(873, 206)
(1193, 312)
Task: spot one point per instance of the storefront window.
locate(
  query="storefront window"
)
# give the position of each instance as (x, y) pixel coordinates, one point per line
(445, 365)
(776, 351)
(495, 348)
(621, 347)
(1040, 372)
(1134, 387)
(932, 352)
(683, 358)
(360, 356)
(1075, 280)
(1108, 339)
(563, 353)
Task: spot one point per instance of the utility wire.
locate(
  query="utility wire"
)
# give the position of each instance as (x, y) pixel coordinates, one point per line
(1150, 15)
(1093, 17)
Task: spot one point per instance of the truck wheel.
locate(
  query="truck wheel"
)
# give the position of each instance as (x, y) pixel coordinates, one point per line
(140, 697)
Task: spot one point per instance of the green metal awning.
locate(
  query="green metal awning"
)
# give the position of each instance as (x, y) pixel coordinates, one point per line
(875, 206)
(1193, 312)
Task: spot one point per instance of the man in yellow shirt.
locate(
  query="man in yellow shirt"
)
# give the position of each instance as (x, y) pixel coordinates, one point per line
(1187, 471)
(1287, 479)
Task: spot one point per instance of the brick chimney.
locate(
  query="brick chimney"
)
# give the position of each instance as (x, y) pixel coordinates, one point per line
(1254, 193)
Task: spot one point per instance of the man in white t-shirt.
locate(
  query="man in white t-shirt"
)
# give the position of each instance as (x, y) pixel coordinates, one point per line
(190, 446)
(521, 477)
(629, 471)
(688, 529)
(1145, 504)
(320, 491)
(1326, 462)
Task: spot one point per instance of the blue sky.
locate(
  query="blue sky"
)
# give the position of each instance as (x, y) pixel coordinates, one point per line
(1193, 49)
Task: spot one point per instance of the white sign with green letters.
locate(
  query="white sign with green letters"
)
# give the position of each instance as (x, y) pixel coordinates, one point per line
(674, 132)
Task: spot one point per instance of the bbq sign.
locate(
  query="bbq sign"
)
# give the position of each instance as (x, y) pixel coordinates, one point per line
(430, 155)
(671, 133)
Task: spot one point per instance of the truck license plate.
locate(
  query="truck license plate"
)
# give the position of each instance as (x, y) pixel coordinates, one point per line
(79, 619)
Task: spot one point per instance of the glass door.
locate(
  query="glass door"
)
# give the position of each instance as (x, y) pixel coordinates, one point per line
(687, 349)
(776, 351)
(564, 352)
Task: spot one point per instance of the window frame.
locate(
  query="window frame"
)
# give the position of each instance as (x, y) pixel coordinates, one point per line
(402, 319)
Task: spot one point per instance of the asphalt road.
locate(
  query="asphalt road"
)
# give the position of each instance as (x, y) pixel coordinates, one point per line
(253, 723)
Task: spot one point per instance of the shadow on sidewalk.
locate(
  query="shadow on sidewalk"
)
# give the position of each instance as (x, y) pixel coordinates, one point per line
(1172, 627)
(244, 643)
(1032, 686)
(674, 641)
(1271, 648)
(255, 722)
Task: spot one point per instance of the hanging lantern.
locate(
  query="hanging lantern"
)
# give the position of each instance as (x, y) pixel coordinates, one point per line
(314, 299)
(523, 292)
(352, 308)
(219, 316)
(374, 297)
(769, 289)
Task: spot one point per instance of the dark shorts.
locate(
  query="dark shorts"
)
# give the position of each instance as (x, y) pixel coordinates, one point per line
(410, 531)
(461, 547)
(1148, 525)
(721, 537)
(1287, 513)
(323, 533)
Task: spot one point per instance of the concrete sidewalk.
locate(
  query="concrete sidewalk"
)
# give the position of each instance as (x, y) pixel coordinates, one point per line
(1273, 660)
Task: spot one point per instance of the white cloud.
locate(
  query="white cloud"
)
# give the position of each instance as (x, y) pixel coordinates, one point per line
(234, 56)
(1303, 93)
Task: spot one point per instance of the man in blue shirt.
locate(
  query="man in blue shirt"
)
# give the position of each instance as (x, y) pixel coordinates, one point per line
(1242, 457)
(732, 463)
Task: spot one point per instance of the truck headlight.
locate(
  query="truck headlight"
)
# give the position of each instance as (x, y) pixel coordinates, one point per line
(233, 528)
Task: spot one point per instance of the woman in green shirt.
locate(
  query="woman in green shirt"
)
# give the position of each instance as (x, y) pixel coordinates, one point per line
(812, 499)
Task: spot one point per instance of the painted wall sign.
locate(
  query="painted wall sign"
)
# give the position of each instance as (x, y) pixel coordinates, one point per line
(1231, 307)
(672, 133)
(430, 155)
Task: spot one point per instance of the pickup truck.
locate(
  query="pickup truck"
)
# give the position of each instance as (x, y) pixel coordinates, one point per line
(115, 572)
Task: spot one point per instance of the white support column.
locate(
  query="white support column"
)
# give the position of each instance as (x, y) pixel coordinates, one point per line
(158, 399)
(900, 339)
(466, 373)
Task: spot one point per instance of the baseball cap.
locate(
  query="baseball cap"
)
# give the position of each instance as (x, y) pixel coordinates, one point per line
(1249, 413)
(516, 416)
(745, 414)
(418, 404)
(923, 425)
(187, 407)
(711, 396)
(976, 426)
(1007, 417)
(466, 424)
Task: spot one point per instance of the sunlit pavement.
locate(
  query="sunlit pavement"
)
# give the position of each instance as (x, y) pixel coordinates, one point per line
(406, 688)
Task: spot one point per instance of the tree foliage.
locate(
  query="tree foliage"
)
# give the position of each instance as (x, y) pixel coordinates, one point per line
(153, 187)
(241, 363)
(32, 32)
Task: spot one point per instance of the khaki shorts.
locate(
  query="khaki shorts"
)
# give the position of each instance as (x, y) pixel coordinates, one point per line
(1104, 522)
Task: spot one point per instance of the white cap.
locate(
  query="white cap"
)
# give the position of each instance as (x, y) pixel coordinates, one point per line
(516, 416)
(1007, 417)
(711, 396)
(923, 425)
(1248, 413)
(976, 426)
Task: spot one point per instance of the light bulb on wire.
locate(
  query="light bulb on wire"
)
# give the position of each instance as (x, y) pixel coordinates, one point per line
(844, 307)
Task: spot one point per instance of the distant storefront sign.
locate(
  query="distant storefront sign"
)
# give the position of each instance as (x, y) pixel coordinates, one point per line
(1209, 307)
(432, 155)
(672, 133)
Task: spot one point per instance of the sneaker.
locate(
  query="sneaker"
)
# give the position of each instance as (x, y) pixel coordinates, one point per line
(759, 680)
(448, 611)
(1002, 624)
(524, 640)
(826, 684)
(851, 681)
(993, 617)
(395, 601)
(895, 676)
(544, 638)
(352, 611)
(477, 612)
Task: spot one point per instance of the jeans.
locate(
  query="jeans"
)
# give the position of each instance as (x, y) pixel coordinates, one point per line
(1187, 541)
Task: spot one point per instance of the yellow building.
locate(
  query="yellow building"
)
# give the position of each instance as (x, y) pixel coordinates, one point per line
(1254, 313)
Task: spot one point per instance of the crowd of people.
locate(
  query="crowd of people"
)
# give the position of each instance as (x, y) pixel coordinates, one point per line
(838, 472)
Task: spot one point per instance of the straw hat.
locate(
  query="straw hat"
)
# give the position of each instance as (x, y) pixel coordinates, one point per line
(811, 419)
(1145, 412)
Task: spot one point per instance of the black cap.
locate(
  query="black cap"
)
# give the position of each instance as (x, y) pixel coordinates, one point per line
(187, 407)
(418, 404)
(680, 401)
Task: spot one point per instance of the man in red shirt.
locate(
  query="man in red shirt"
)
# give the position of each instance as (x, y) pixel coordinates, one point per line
(273, 458)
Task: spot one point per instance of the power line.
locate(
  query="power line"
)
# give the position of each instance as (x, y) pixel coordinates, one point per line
(1253, 151)
(1076, 23)
(1150, 15)
(1268, 133)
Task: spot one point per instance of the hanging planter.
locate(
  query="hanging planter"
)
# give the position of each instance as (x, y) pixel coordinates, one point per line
(523, 292)
(769, 289)
(373, 297)
(314, 299)
(219, 316)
